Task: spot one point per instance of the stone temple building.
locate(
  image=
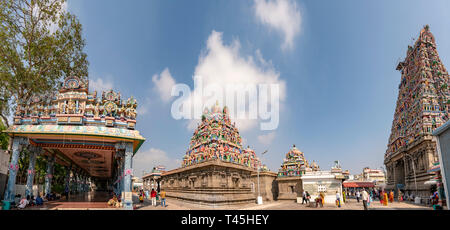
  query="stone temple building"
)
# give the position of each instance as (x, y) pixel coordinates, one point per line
(422, 106)
(297, 175)
(216, 169)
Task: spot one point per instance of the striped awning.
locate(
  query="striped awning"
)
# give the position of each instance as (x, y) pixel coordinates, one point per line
(358, 184)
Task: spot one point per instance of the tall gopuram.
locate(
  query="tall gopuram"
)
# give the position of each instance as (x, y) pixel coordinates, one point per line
(216, 169)
(422, 106)
(92, 136)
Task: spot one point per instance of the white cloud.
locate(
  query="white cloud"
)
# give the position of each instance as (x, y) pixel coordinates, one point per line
(223, 65)
(146, 160)
(281, 15)
(163, 84)
(100, 85)
(266, 139)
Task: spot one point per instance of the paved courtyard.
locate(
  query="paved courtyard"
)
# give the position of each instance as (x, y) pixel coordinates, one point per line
(352, 204)
(98, 201)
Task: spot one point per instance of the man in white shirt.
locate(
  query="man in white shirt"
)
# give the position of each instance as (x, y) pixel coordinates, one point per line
(365, 197)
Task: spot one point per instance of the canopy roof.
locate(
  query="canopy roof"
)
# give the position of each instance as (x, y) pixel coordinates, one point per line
(358, 184)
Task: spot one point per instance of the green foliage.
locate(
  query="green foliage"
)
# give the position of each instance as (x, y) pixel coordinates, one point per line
(40, 43)
(58, 188)
(4, 139)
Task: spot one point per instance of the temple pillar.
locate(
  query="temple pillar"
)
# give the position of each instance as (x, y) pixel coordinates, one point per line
(79, 182)
(49, 176)
(128, 199)
(67, 180)
(34, 151)
(122, 178)
(10, 191)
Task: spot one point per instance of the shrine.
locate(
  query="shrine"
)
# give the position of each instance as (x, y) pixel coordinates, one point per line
(92, 136)
(422, 106)
(216, 169)
(289, 176)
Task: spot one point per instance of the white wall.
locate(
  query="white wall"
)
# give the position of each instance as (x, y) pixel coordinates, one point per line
(20, 189)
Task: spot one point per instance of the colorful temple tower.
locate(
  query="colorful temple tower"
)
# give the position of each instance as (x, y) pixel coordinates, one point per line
(93, 137)
(422, 106)
(216, 169)
(294, 164)
(217, 138)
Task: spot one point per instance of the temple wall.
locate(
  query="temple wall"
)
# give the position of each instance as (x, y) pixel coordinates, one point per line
(289, 188)
(324, 182)
(268, 185)
(400, 170)
(211, 182)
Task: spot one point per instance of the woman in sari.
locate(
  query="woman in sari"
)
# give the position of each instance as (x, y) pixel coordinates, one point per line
(381, 197)
(385, 198)
(391, 196)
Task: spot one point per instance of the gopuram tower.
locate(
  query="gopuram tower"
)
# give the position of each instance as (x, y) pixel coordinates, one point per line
(422, 106)
(216, 138)
(216, 169)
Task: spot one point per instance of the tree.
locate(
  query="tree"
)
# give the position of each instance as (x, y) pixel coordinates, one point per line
(3, 137)
(40, 44)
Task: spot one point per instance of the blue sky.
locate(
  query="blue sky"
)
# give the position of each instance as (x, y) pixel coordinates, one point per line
(339, 68)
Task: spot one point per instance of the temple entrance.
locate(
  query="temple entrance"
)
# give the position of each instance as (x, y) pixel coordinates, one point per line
(93, 140)
(399, 173)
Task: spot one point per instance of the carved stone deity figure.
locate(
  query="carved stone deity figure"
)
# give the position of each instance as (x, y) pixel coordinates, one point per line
(132, 113)
(82, 108)
(71, 107)
(46, 111)
(122, 111)
(97, 110)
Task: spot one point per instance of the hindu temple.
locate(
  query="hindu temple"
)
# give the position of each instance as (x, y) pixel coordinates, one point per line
(289, 176)
(422, 106)
(216, 169)
(92, 136)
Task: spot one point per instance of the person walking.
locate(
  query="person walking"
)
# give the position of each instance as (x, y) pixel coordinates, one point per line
(343, 197)
(338, 199)
(308, 197)
(385, 198)
(381, 197)
(153, 196)
(162, 194)
(357, 195)
(391, 196)
(304, 197)
(365, 197)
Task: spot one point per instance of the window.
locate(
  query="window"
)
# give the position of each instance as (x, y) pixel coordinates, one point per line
(321, 188)
(292, 189)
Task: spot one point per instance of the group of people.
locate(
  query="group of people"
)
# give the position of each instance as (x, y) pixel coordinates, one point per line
(116, 201)
(153, 196)
(22, 202)
(319, 200)
(368, 197)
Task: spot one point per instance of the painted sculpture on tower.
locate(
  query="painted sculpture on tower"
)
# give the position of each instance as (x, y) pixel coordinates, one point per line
(73, 104)
(216, 138)
(295, 164)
